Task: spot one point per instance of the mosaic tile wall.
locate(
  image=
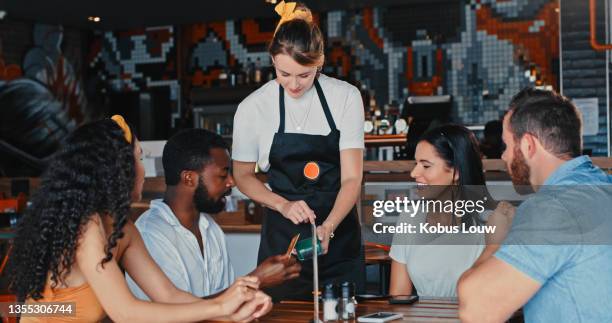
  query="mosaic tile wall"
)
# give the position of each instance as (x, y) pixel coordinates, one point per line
(135, 60)
(584, 70)
(214, 46)
(50, 54)
(481, 51)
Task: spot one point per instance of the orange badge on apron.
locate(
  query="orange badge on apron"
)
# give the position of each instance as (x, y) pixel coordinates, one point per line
(312, 171)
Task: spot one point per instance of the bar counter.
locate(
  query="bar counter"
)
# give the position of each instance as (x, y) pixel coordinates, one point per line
(374, 171)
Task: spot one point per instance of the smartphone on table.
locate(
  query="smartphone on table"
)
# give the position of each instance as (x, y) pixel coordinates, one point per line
(371, 297)
(380, 317)
(403, 299)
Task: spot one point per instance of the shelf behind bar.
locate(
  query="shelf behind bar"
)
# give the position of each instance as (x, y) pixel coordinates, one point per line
(370, 140)
(489, 165)
(405, 166)
(156, 185)
(385, 140)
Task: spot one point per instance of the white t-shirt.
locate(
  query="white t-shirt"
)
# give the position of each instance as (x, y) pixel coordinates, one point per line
(435, 262)
(177, 252)
(257, 118)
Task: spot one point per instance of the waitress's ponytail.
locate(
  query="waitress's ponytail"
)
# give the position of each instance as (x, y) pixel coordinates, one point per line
(297, 35)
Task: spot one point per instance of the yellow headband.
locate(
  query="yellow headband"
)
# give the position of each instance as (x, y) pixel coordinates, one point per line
(287, 12)
(127, 133)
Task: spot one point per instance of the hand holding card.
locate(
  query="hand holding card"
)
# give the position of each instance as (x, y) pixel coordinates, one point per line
(294, 240)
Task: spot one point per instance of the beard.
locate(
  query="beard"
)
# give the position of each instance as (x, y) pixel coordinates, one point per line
(204, 203)
(520, 173)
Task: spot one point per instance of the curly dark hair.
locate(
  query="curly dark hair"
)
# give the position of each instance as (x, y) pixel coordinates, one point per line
(92, 173)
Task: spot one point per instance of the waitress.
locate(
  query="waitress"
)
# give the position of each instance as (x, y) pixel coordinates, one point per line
(306, 130)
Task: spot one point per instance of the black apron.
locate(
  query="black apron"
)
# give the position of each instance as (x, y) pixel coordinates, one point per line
(289, 154)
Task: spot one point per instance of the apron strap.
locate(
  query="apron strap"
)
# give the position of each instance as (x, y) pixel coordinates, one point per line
(281, 107)
(328, 115)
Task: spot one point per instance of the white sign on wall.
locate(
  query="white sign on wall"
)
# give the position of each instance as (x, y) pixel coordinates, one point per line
(589, 108)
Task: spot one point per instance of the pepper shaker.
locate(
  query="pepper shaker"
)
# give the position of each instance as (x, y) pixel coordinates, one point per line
(348, 301)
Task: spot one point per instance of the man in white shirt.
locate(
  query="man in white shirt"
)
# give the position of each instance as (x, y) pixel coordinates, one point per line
(181, 236)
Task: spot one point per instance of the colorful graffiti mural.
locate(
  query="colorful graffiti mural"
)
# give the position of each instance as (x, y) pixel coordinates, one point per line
(9, 72)
(481, 52)
(137, 60)
(46, 63)
(493, 49)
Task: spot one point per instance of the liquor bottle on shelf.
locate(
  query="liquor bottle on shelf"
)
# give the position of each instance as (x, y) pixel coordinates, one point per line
(339, 71)
(368, 127)
(365, 96)
(372, 103)
(377, 120)
(223, 77)
(270, 76)
(233, 76)
(248, 71)
(215, 82)
(385, 125)
(393, 115)
(257, 72)
(401, 126)
(240, 77)
(374, 113)
(355, 73)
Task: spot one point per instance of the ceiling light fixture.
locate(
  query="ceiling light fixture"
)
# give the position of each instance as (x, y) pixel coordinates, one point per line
(93, 18)
(2, 14)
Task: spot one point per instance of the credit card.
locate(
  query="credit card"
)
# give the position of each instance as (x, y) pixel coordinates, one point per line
(294, 240)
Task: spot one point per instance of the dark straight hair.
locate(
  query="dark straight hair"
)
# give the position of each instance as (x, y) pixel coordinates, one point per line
(458, 147)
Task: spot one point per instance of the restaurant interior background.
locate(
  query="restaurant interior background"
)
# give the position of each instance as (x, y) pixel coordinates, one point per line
(177, 75)
(172, 65)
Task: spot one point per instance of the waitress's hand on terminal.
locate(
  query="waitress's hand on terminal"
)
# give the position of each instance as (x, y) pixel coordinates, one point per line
(297, 211)
(241, 291)
(325, 232)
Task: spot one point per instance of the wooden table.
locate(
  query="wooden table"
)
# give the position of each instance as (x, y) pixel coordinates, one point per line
(425, 310)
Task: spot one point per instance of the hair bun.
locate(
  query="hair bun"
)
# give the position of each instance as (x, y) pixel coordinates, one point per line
(291, 10)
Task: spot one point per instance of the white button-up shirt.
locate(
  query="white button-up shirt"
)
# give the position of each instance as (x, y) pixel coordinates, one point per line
(176, 250)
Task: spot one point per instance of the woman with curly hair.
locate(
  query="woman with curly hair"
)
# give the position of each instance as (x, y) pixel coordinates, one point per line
(75, 241)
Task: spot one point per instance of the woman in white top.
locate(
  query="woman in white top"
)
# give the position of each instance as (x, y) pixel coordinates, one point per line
(447, 161)
(306, 131)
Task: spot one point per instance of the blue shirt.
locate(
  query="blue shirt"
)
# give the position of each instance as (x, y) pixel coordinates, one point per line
(561, 237)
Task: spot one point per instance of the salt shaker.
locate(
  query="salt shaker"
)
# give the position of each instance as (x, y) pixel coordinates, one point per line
(348, 301)
(330, 303)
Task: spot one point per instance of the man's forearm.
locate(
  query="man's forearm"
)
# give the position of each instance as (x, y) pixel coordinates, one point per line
(487, 253)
